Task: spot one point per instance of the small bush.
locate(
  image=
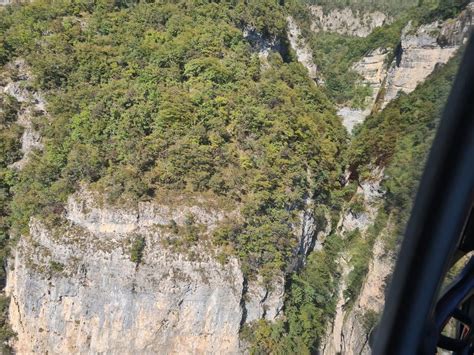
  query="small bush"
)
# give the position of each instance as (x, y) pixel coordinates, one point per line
(357, 205)
(136, 253)
(56, 267)
(369, 320)
(6, 332)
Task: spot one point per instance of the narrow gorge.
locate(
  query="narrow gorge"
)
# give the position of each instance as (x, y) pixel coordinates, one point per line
(211, 178)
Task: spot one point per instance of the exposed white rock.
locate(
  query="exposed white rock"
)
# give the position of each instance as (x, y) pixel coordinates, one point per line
(373, 69)
(303, 52)
(312, 231)
(421, 51)
(420, 54)
(336, 340)
(308, 231)
(264, 301)
(32, 103)
(312, 228)
(370, 299)
(371, 192)
(352, 221)
(351, 117)
(82, 210)
(74, 288)
(347, 22)
(371, 187)
(261, 44)
(98, 301)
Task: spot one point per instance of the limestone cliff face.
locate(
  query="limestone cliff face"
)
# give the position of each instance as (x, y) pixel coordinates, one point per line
(341, 336)
(346, 21)
(75, 289)
(303, 52)
(354, 320)
(357, 327)
(422, 49)
(79, 292)
(373, 69)
(418, 54)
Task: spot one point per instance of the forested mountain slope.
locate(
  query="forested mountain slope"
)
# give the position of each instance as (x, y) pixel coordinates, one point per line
(175, 176)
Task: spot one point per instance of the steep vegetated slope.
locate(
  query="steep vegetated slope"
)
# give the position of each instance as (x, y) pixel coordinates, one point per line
(147, 102)
(380, 184)
(144, 99)
(408, 125)
(10, 145)
(175, 177)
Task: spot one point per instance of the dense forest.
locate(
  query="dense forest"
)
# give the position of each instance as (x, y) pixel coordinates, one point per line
(160, 97)
(150, 98)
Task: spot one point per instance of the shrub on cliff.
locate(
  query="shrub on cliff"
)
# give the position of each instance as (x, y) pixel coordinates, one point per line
(136, 250)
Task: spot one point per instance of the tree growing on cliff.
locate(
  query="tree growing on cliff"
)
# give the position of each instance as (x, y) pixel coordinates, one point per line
(137, 249)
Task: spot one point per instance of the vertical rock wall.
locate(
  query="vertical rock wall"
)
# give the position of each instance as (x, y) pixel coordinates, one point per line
(303, 52)
(420, 51)
(75, 289)
(346, 21)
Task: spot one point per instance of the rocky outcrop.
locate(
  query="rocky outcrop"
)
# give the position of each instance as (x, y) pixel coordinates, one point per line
(346, 21)
(79, 292)
(75, 287)
(301, 48)
(351, 117)
(371, 193)
(264, 301)
(360, 320)
(83, 210)
(32, 105)
(421, 50)
(419, 54)
(334, 338)
(455, 32)
(341, 336)
(373, 70)
(261, 44)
